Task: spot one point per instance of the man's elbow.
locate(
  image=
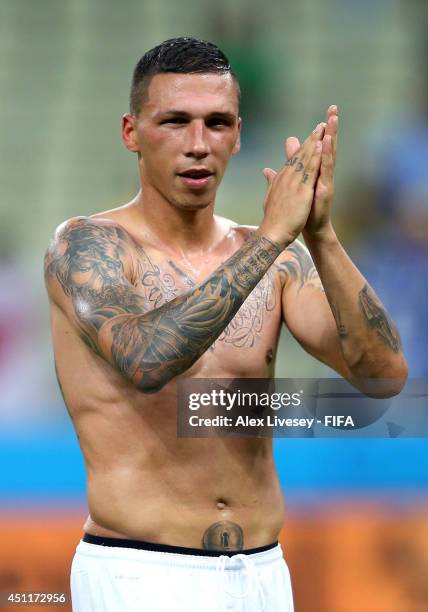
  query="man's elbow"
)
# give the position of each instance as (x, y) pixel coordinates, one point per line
(150, 388)
(384, 380)
(149, 383)
(397, 377)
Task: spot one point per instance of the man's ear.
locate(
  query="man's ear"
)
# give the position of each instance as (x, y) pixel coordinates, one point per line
(129, 132)
(237, 145)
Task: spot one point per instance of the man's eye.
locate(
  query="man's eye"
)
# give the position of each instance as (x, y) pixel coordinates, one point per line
(218, 123)
(174, 121)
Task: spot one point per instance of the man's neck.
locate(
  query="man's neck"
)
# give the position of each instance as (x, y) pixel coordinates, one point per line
(189, 231)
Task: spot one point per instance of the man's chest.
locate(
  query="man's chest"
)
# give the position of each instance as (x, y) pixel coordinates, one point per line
(247, 345)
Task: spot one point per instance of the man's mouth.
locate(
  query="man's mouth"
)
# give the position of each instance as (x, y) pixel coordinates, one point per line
(196, 178)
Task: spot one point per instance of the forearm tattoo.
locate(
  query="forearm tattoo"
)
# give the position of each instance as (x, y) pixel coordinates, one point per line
(149, 347)
(378, 319)
(341, 329)
(168, 340)
(223, 536)
(300, 267)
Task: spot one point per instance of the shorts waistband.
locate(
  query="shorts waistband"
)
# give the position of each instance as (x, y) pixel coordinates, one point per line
(167, 548)
(176, 556)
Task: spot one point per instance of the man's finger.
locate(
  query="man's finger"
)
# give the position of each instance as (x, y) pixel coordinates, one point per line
(292, 145)
(303, 155)
(332, 127)
(269, 175)
(327, 162)
(305, 152)
(312, 169)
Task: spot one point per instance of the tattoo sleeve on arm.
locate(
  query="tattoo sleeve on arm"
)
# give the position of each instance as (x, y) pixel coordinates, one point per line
(300, 267)
(377, 318)
(152, 347)
(87, 260)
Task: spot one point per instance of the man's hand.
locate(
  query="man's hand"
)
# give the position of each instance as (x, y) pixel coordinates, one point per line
(291, 191)
(319, 219)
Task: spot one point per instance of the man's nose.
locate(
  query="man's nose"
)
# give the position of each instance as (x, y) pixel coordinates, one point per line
(197, 144)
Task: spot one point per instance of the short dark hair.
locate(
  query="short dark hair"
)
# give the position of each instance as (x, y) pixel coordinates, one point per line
(180, 55)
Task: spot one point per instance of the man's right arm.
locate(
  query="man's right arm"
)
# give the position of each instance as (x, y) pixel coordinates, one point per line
(86, 277)
(85, 272)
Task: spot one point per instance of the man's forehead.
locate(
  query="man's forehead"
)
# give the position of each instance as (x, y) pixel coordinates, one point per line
(211, 91)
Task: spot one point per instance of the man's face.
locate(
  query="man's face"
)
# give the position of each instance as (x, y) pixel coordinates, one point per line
(187, 129)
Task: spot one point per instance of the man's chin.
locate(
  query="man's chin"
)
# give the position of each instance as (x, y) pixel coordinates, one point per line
(197, 203)
(200, 206)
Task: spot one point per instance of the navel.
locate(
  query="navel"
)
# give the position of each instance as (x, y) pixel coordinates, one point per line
(221, 504)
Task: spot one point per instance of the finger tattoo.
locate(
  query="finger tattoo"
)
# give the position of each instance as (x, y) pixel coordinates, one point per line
(305, 177)
(292, 161)
(299, 167)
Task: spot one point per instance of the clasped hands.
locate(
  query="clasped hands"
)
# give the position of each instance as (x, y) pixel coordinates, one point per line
(318, 222)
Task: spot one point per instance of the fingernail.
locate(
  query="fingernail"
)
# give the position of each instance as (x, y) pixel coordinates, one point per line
(317, 129)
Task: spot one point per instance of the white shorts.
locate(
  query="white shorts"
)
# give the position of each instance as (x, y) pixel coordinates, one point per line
(116, 579)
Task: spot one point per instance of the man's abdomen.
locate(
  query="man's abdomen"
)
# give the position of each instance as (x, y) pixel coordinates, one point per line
(200, 508)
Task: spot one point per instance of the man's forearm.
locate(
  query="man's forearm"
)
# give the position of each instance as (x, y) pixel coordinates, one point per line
(151, 348)
(369, 338)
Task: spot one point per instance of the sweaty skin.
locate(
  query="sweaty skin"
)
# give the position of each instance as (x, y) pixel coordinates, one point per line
(161, 288)
(142, 481)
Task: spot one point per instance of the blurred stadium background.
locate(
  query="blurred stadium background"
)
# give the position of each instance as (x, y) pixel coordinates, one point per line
(356, 533)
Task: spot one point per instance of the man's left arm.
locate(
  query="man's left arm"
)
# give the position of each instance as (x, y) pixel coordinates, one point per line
(343, 323)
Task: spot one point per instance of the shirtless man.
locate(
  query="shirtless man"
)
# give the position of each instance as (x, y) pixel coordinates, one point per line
(158, 289)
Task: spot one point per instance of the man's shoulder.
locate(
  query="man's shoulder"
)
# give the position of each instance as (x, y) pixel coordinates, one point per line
(80, 243)
(233, 226)
(294, 262)
(96, 225)
(295, 252)
(79, 234)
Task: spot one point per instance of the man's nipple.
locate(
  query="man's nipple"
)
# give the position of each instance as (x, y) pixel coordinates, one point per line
(269, 356)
